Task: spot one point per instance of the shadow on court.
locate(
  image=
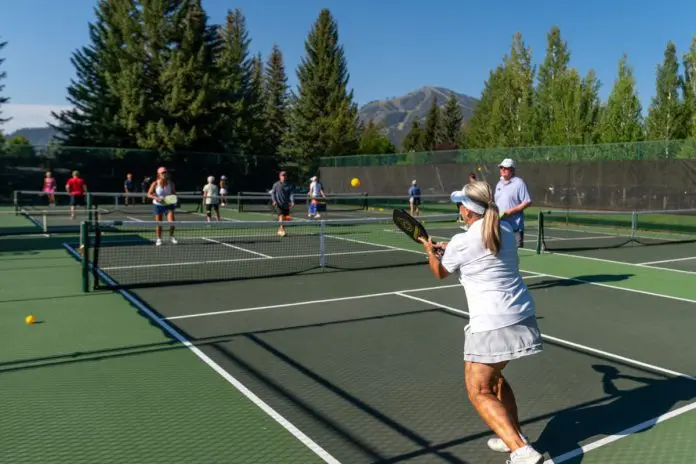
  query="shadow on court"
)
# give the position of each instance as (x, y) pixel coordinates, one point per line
(625, 408)
(31, 245)
(580, 280)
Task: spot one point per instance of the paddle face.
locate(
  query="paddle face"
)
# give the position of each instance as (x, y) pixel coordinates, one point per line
(409, 225)
(170, 200)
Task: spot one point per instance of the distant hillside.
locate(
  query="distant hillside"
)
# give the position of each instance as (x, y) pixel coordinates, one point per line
(36, 135)
(396, 114)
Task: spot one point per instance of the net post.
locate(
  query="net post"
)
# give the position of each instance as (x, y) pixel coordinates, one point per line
(540, 232)
(44, 222)
(239, 202)
(322, 243)
(15, 201)
(88, 205)
(634, 224)
(84, 252)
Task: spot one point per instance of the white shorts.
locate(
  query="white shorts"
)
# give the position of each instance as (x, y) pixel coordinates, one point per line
(223, 191)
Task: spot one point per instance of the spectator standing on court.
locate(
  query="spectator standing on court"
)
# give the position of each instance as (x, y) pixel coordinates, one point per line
(145, 187)
(283, 199)
(316, 191)
(512, 198)
(502, 313)
(414, 198)
(211, 199)
(76, 188)
(128, 189)
(223, 189)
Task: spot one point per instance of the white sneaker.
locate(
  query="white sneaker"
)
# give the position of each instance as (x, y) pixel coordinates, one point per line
(526, 455)
(497, 444)
(158, 242)
(173, 240)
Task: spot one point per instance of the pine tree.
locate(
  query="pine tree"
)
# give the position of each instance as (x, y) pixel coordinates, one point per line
(517, 95)
(3, 75)
(234, 68)
(259, 154)
(323, 120)
(622, 119)
(590, 108)
(94, 119)
(276, 90)
(373, 142)
(666, 112)
(566, 124)
(433, 127)
(413, 141)
(689, 89)
(451, 122)
(484, 125)
(550, 86)
(187, 84)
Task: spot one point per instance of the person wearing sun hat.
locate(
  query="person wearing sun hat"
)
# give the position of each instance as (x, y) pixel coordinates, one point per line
(502, 314)
(512, 198)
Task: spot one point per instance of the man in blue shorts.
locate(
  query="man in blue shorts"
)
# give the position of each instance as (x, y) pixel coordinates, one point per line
(283, 198)
(414, 198)
(512, 198)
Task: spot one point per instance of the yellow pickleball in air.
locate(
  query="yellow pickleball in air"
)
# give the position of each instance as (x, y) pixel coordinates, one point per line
(355, 182)
(30, 319)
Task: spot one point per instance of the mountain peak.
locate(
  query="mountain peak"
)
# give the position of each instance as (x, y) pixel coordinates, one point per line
(398, 113)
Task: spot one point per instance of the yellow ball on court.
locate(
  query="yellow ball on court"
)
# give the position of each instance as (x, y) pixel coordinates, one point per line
(30, 319)
(355, 182)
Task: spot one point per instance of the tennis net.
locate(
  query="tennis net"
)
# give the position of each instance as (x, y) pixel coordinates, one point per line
(431, 204)
(124, 254)
(590, 230)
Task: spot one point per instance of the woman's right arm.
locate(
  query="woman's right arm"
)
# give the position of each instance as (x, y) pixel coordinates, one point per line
(434, 253)
(150, 192)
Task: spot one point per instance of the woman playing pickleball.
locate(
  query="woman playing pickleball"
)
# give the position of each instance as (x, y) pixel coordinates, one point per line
(502, 324)
(159, 189)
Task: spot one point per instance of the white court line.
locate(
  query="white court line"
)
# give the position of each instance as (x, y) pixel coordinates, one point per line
(287, 425)
(625, 289)
(668, 260)
(622, 434)
(229, 245)
(326, 300)
(570, 344)
(604, 260)
(241, 260)
(556, 239)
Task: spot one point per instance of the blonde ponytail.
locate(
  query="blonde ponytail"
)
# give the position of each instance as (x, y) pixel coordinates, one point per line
(481, 193)
(491, 228)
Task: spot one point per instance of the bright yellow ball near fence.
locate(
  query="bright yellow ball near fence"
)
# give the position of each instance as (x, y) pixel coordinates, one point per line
(355, 182)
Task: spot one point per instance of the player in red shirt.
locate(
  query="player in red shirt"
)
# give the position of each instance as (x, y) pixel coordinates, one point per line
(76, 188)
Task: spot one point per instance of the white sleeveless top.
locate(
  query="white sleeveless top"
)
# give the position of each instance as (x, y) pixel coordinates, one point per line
(162, 192)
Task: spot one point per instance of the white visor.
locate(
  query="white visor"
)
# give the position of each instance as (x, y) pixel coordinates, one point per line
(471, 205)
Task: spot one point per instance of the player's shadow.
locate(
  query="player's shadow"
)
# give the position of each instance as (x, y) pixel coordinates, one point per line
(550, 282)
(629, 407)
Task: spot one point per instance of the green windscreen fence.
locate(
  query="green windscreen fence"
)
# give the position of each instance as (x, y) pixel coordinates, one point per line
(623, 177)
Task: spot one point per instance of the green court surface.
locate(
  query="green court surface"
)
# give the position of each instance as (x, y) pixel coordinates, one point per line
(101, 379)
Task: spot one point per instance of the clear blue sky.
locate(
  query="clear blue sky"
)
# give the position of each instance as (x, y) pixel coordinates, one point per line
(392, 47)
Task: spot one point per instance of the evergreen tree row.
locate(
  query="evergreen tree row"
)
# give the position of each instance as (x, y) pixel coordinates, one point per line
(564, 108)
(156, 75)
